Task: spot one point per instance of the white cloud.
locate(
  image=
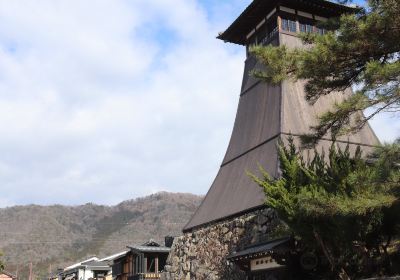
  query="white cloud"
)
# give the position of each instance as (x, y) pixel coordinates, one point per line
(104, 102)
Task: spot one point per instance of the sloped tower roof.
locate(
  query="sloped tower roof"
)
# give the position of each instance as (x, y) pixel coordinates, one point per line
(265, 114)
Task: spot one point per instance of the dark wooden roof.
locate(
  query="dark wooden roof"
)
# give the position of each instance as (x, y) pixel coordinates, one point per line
(258, 9)
(265, 114)
(253, 142)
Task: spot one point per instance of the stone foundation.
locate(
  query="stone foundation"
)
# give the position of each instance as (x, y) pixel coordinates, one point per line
(201, 254)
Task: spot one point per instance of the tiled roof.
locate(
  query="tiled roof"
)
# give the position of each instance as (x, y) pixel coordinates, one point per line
(150, 246)
(96, 264)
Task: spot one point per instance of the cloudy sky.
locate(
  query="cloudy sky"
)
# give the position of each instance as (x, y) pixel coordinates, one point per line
(104, 101)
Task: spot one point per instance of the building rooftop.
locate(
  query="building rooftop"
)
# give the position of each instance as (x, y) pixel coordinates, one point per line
(75, 265)
(258, 9)
(115, 256)
(101, 265)
(150, 247)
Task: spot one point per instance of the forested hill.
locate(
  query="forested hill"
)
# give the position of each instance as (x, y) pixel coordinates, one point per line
(53, 236)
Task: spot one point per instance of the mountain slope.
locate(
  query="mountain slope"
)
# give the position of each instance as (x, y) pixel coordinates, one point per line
(53, 236)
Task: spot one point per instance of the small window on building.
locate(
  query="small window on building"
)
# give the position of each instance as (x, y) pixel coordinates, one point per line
(306, 28)
(306, 25)
(289, 25)
(320, 30)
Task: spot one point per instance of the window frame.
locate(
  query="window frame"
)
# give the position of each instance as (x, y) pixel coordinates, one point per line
(288, 22)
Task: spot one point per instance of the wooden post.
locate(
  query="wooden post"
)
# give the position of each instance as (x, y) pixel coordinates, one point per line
(145, 265)
(140, 264)
(130, 265)
(136, 265)
(279, 23)
(131, 262)
(141, 269)
(156, 265)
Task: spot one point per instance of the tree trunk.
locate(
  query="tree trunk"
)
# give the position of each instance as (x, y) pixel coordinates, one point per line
(342, 273)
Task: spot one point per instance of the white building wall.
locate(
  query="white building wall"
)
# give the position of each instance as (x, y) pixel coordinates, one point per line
(85, 274)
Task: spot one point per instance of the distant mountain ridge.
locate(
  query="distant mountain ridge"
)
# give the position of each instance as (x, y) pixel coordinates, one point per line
(55, 236)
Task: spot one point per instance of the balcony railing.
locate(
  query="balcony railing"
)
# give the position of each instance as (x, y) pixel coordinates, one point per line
(145, 276)
(270, 37)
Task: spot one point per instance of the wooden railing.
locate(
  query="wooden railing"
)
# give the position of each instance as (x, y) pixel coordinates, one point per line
(145, 276)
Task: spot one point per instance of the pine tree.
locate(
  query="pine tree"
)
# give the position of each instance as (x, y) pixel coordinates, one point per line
(341, 205)
(361, 49)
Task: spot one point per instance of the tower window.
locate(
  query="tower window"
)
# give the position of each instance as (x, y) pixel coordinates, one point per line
(289, 25)
(306, 27)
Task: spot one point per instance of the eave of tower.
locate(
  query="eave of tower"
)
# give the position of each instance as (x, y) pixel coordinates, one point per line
(258, 9)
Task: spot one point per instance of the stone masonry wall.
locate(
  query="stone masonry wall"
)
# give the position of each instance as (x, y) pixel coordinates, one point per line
(201, 254)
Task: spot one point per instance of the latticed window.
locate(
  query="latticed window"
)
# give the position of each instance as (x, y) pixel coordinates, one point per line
(306, 27)
(289, 25)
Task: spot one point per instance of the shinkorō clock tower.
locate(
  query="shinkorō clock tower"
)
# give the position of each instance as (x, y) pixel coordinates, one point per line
(228, 237)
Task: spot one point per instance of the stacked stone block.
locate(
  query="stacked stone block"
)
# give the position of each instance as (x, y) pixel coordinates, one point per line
(201, 253)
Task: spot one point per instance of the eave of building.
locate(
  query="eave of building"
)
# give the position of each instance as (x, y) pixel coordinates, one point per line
(259, 250)
(115, 256)
(79, 264)
(98, 268)
(96, 265)
(257, 10)
(149, 247)
(144, 249)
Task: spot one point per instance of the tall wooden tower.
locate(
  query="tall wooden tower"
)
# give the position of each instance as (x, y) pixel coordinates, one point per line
(232, 215)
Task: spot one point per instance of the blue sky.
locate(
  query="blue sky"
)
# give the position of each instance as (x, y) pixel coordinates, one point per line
(102, 103)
